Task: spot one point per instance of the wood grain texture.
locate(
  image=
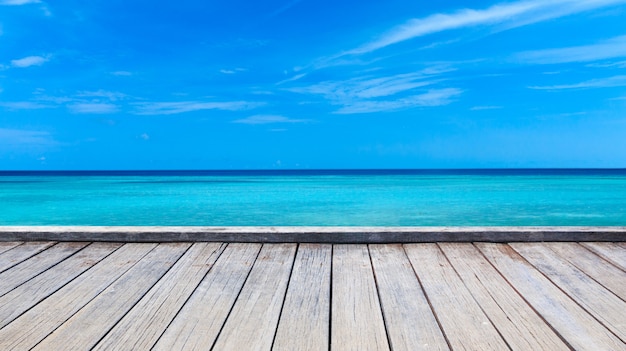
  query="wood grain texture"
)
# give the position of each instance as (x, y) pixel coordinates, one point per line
(22, 252)
(579, 329)
(356, 316)
(27, 295)
(410, 322)
(612, 252)
(593, 297)
(305, 319)
(34, 325)
(200, 320)
(8, 245)
(14, 277)
(593, 265)
(461, 318)
(252, 323)
(142, 326)
(85, 328)
(518, 324)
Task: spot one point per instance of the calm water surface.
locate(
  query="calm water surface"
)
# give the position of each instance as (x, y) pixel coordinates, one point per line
(302, 198)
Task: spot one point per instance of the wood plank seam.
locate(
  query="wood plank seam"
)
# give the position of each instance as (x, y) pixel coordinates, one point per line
(143, 295)
(222, 248)
(445, 336)
(293, 262)
(524, 298)
(380, 305)
(87, 302)
(590, 249)
(31, 254)
(474, 298)
(65, 284)
(585, 272)
(587, 309)
(217, 336)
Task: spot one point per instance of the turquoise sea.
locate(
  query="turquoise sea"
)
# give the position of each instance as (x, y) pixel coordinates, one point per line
(316, 198)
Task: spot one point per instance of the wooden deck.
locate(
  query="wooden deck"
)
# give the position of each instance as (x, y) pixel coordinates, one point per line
(251, 296)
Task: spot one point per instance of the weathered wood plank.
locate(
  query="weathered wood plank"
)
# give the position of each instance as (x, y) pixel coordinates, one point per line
(356, 317)
(142, 326)
(30, 293)
(410, 322)
(305, 320)
(85, 328)
(22, 252)
(518, 324)
(252, 323)
(8, 245)
(31, 327)
(579, 329)
(593, 265)
(14, 277)
(612, 252)
(593, 297)
(463, 322)
(200, 320)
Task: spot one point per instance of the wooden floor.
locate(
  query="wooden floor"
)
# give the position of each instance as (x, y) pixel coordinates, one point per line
(217, 296)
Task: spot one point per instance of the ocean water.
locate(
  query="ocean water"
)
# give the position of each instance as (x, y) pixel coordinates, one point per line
(316, 198)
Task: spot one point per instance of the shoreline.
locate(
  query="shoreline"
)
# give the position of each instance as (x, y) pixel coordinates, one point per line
(313, 234)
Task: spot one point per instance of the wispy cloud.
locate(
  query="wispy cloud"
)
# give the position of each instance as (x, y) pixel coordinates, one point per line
(615, 81)
(103, 94)
(29, 61)
(232, 71)
(608, 49)
(19, 2)
(434, 97)
(24, 105)
(269, 119)
(481, 108)
(93, 108)
(500, 16)
(170, 108)
(122, 73)
(292, 79)
(20, 137)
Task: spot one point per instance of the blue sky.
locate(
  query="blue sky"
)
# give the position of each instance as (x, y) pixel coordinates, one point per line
(298, 84)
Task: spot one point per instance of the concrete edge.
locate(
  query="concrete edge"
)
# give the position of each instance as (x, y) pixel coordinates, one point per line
(336, 235)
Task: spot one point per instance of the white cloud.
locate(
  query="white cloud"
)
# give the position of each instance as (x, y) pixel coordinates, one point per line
(434, 97)
(29, 61)
(267, 119)
(19, 2)
(108, 95)
(608, 49)
(615, 81)
(480, 108)
(292, 79)
(122, 73)
(94, 108)
(18, 137)
(24, 105)
(232, 71)
(145, 136)
(169, 108)
(503, 15)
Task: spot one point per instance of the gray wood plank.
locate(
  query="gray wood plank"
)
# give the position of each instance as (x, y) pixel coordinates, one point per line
(305, 320)
(593, 297)
(145, 323)
(462, 320)
(34, 325)
(200, 320)
(18, 274)
(612, 252)
(520, 326)
(8, 245)
(22, 252)
(252, 322)
(85, 328)
(30, 293)
(579, 329)
(356, 317)
(409, 319)
(593, 265)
